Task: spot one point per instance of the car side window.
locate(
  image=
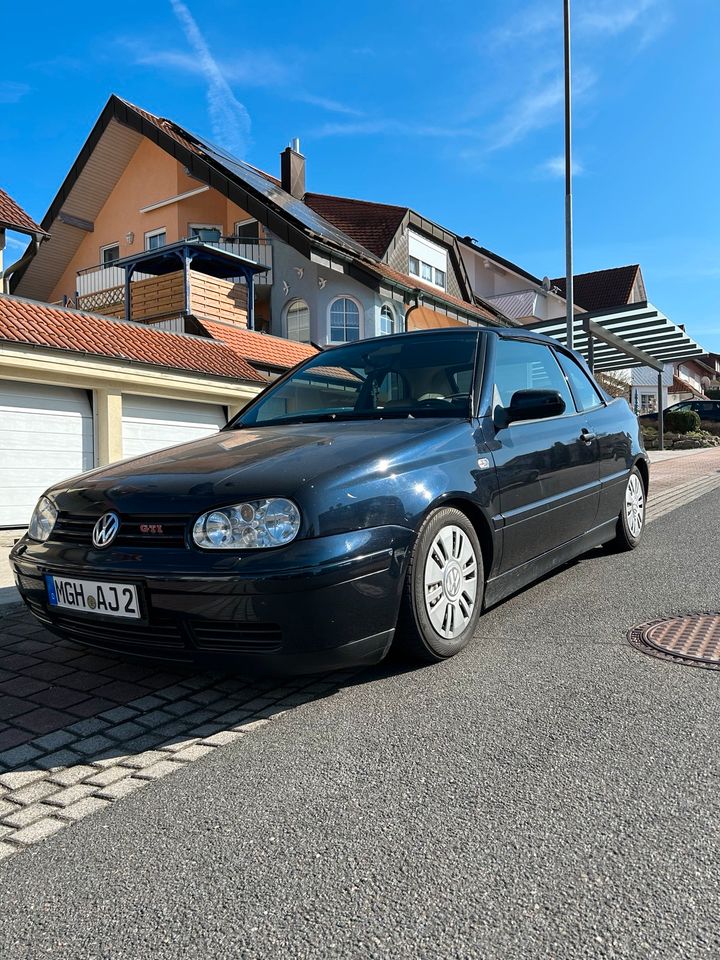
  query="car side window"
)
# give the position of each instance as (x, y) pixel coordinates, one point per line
(586, 395)
(522, 365)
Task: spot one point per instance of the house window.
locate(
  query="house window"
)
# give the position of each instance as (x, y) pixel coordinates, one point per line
(155, 239)
(207, 232)
(648, 403)
(427, 272)
(247, 229)
(427, 260)
(109, 254)
(387, 321)
(344, 320)
(298, 321)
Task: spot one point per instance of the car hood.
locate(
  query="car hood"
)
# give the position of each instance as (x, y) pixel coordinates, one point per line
(233, 465)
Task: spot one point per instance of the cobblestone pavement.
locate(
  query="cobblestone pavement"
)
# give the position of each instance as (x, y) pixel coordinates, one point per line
(80, 731)
(676, 480)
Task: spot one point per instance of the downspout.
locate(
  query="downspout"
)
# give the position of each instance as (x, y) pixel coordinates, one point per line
(23, 261)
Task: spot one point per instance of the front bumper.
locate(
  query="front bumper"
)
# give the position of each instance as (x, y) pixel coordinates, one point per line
(316, 604)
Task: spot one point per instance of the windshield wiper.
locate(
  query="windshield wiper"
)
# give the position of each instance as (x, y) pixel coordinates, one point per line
(334, 416)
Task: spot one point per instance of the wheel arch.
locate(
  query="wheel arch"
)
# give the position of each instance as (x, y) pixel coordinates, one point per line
(479, 521)
(644, 471)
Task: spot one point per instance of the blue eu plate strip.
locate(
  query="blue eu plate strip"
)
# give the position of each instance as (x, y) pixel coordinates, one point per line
(50, 584)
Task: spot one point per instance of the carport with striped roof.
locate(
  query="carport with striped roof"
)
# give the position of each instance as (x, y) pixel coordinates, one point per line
(636, 334)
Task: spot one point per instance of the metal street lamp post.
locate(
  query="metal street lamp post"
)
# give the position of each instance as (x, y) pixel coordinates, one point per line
(569, 291)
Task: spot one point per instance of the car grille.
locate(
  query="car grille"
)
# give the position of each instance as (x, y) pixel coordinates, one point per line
(78, 529)
(164, 633)
(130, 636)
(236, 637)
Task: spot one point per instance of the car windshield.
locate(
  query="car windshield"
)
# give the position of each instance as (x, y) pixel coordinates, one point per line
(427, 375)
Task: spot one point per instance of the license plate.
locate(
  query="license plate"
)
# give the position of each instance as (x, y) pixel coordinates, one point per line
(89, 596)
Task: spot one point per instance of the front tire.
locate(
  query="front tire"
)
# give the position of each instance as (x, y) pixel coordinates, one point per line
(631, 522)
(444, 588)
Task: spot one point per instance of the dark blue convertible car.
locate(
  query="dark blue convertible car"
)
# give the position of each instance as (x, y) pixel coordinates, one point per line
(381, 493)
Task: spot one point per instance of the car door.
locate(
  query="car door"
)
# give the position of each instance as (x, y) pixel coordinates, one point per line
(547, 470)
(706, 410)
(611, 441)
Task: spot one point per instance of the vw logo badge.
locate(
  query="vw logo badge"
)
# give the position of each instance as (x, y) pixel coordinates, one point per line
(105, 530)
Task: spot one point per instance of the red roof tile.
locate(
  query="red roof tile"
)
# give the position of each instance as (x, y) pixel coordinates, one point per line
(371, 224)
(479, 310)
(601, 289)
(13, 217)
(682, 386)
(259, 348)
(26, 321)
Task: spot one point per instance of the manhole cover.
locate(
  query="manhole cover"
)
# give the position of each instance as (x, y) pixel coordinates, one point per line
(693, 640)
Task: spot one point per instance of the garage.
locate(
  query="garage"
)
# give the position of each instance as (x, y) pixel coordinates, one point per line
(46, 435)
(150, 423)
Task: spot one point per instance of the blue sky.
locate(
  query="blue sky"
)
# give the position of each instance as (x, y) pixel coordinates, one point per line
(452, 108)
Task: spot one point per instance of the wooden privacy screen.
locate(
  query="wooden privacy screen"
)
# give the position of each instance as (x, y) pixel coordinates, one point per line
(164, 296)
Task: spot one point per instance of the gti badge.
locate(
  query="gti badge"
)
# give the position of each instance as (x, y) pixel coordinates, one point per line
(105, 530)
(151, 528)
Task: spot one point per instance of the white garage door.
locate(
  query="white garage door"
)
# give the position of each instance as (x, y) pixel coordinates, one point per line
(46, 435)
(150, 423)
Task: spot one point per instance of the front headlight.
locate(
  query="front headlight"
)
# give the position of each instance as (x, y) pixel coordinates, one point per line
(43, 519)
(248, 526)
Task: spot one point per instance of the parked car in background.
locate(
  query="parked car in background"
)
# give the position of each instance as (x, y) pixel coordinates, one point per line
(705, 409)
(384, 491)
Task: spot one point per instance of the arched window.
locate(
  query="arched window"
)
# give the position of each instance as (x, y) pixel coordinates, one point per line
(344, 320)
(298, 321)
(387, 320)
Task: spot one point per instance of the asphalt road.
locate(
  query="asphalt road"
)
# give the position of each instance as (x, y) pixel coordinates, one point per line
(550, 793)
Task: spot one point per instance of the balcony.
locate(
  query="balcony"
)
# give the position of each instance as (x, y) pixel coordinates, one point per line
(160, 296)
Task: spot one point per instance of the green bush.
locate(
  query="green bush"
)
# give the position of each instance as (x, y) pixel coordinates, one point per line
(681, 421)
(711, 426)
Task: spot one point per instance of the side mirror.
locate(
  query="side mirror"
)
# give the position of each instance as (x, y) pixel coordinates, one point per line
(530, 405)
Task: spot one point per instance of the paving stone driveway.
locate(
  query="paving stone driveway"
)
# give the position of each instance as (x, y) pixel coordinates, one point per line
(80, 730)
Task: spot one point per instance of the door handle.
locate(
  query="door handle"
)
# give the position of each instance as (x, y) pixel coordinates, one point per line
(587, 436)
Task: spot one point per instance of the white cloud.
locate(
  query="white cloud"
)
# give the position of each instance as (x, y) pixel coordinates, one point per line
(590, 20)
(326, 103)
(611, 17)
(13, 243)
(11, 91)
(538, 108)
(534, 35)
(258, 68)
(531, 23)
(555, 167)
(229, 119)
(405, 128)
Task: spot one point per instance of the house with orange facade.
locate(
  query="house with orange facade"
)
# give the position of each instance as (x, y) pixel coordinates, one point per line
(80, 389)
(176, 281)
(326, 269)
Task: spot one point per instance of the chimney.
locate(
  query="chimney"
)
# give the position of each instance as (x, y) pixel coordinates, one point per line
(292, 170)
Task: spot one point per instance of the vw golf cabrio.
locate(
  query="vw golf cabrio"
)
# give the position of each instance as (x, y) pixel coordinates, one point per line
(383, 491)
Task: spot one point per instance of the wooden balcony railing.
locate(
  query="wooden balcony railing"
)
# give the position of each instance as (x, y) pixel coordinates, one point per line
(157, 298)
